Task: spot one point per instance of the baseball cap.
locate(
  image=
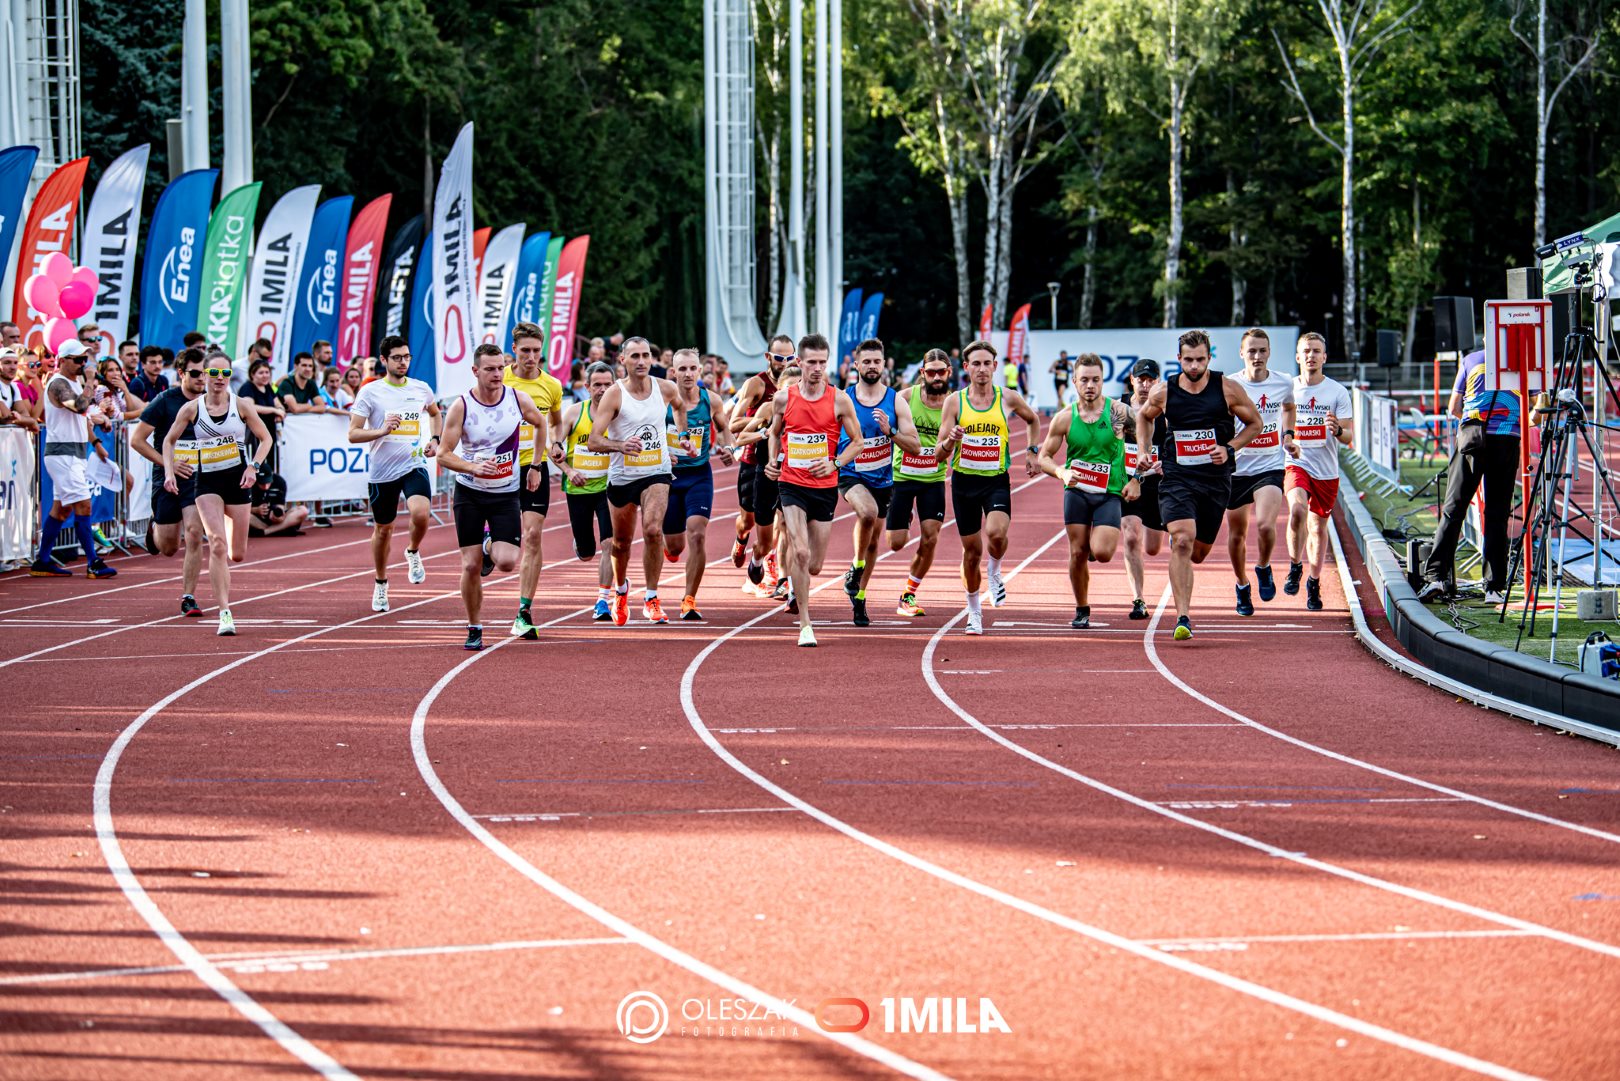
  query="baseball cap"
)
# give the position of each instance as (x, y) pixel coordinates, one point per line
(1146, 368)
(72, 348)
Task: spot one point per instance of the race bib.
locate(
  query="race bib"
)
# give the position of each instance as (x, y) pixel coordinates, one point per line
(218, 452)
(694, 436)
(1090, 476)
(525, 434)
(504, 462)
(1312, 432)
(918, 465)
(981, 451)
(648, 457)
(590, 464)
(185, 450)
(1193, 446)
(1268, 438)
(875, 456)
(806, 447)
(1131, 457)
(410, 427)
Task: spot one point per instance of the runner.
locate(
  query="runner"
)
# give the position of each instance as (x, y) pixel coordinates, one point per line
(1090, 436)
(1198, 406)
(221, 423)
(631, 422)
(921, 478)
(691, 497)
(974, 422)
(867, 482)
(480, 446)
(388, 413)
(174, 514)
(758, 501)
(585, 481)
(1313, 484)
(529, 375)
(805, 423)
(70, 409)
(1141, 527)
(1257, 482)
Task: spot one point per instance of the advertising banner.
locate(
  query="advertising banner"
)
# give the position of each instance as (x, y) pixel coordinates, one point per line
(225, 262)
(565, 307)
(399, 269)
(17, 510)
(455, 315)
(419, 322)
(531, 275)
(548, 287)
(496, 276)
(315, 313)
(172, 258)
(360, 261)
(319, 462)
(871, 312)
(112, 228)
(849, 331)
(278, 262)
(49, 229)
(16, 166)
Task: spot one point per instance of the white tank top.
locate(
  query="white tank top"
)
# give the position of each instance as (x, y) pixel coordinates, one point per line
(64, 425)
(221, 444)
(643, 419)
(490, 433)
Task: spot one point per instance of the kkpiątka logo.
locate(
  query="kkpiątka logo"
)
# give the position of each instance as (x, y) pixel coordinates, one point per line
(642, 1017)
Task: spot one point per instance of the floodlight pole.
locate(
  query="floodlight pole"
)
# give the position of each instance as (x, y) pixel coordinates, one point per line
(825, 316)
(194, 84)
(796, 320)
(236, 94)
(1053, 287)
(835, 174)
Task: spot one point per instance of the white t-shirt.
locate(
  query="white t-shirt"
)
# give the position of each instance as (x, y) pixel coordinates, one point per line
(399, 452)
(1269, 395)
(1318, 449)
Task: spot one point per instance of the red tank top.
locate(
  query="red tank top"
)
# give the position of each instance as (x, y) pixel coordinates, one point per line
(810, 431)
(751, 451)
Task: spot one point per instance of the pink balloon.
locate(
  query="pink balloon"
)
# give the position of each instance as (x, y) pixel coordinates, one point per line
(58, 332)
(43, 295)
(77, 298)
(58, 267)
(88, 277)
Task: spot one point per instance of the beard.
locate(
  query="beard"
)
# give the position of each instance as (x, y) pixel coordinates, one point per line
(936, 386)
(870, 378)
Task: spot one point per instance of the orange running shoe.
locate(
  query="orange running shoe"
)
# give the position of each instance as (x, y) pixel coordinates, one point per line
(671, 556)
(908, 606)
(739, 551)
(689, 609)
(621, 608)
(653, 612)
(770, 568)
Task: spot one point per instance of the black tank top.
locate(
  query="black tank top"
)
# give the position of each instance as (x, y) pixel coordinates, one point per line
(1197, 424)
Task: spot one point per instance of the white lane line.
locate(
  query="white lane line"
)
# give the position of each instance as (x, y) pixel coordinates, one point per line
(674, 955)
(1382, 771)
(1097, 934)
(289, 961)
(1230, 804)
(558, 816)
(1241, 941)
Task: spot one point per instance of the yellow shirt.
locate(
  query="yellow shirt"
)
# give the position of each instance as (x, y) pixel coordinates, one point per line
(547, 393)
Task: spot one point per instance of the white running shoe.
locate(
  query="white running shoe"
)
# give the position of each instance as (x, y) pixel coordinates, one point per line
(807, 637)
(998, 589)
(975, 623)
(414, 569)
(379, 597)
(227, 625)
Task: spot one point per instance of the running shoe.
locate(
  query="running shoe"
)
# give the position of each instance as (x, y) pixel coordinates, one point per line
(1313, 594)
(414, 570)
(908, 606)
(150, 541)
(1082, 617)
(807, 636)
(1245, 604)
(780, 593)
(739, 552)
(189, 606)
(756, 574)
(852, 581)
(998, 589)
(489, 564)
(1138, 609)
(860, 618)
(48, 568)
(1431, 591)
(689, 610)
(1291, 583)
(621, 608)
(601, 613)
(653, 612)
(523, 626)
(1495, 596)
(757, 589)
(99, 569)
(475, 639)
(227, 625)
(975, 623)
(771, 567)
(103, 545)
(1183, 629)
(792, 605)
(1268, 584)
(671, 557)
(379, 597)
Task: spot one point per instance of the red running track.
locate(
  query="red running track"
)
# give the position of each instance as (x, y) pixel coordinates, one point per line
(338, 844)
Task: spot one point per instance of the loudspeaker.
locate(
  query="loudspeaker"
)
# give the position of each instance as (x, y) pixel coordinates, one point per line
(1389, 349)
(1524, 283)
(1453, 324)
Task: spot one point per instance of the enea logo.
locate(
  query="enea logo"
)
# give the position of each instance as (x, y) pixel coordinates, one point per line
(642, 1017)
(174, 276)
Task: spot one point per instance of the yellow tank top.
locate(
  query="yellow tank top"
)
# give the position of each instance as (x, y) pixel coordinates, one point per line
(547, 393)
(581, 457)
(983, 449)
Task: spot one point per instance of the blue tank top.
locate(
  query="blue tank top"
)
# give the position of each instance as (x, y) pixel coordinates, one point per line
(874, 465)
(700, 430)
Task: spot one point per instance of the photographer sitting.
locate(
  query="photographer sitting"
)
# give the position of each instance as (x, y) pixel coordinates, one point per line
(269, 514)
(1488, 451)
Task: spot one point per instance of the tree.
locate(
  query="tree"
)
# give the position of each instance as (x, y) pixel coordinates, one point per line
(1584, 48)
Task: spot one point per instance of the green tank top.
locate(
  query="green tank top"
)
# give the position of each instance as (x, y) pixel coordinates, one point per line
(581, 457)
(1009, 372)
(925, 467)
(983, 449)
(1096, 453)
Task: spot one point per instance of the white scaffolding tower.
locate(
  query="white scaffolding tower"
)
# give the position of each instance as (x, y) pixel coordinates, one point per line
(39, 86)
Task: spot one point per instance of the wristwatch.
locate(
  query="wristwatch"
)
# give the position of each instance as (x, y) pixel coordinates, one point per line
(1288, 432)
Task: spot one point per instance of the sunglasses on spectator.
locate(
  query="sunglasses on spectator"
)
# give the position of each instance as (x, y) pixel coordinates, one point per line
(217, 373)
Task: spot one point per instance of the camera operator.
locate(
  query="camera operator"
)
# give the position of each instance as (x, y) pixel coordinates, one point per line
(269, 514)
(1488, 452)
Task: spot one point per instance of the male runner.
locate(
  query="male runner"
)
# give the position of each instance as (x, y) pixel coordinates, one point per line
(1198, 406)
(387, 412)
(920, 477)
(70, 409)
(974, 421)
(867, 482)
(1141, 527)
(805, 423)
(1313, 483)
(585, 481)
(757, 502)
(1090, 436)
(1257, 482)
(529, 375)
(174, 514)
(480, 446)
(691, 497)
(631, 422)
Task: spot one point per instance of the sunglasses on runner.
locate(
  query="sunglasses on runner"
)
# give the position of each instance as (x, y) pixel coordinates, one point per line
(217, 373)
(785, 358)
(193, 373)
